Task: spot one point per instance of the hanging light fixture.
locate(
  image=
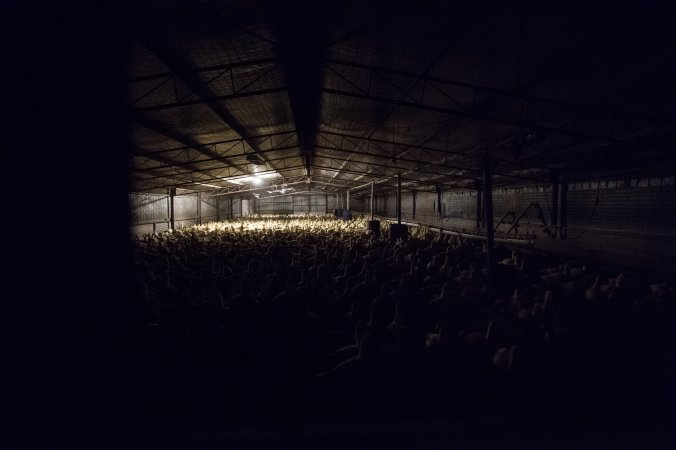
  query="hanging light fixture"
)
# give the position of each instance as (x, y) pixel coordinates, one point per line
(254, 159)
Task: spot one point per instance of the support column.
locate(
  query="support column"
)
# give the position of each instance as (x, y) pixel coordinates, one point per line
(218, 209)
(438, 200)
(479, 208)
(348, 200)
(172, 194)
(414, 201)
(371, 201)
(554, 177)
(563, 208)
(199, 208)
(399, 198)
(398, 230)
(488, 207)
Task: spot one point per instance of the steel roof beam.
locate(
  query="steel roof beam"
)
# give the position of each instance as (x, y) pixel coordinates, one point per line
(365, 166)
(191, 71)
(223, 174)
(461, 29)
(267, 136)
(217, 179)
(300, 30)
(234, 166)
(197, 85)
(379, 176)
(482, 117)
(235, 170)
(565, 124)
(502, 92)
(413, 161)
(188, 141)
(207, 100)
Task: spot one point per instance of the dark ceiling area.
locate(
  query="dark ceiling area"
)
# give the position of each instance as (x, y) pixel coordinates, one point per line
(335, 95)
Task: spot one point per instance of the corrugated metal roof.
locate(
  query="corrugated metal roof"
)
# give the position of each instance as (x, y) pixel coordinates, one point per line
(352, 92)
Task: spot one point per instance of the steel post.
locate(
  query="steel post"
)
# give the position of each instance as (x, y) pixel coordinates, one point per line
(172, 194)
(554, 213)
(371, 201)
(488, 207)
(479, 210)
(399, 198)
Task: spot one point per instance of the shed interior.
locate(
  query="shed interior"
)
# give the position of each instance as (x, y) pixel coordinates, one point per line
(534, 129)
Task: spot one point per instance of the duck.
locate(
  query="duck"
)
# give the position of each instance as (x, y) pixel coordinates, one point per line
(556, 276)
(506, 359)
(594, 292)
(614, 283)
(510, 261)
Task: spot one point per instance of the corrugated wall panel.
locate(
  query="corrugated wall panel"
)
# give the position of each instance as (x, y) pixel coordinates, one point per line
(148, 208)
(425, 210)
(276, 205)
(458, 205)
(331, 202)
(237, 208)
(224, 208)
(318, 204)
(640, 209)
(406, 205)
(358, 205)
(315, 203)
(634, 222)
(209, 209)
(301, 203)
(381, 204)
(229, 208)
(461, 206)
(185, 207)
(247, 207)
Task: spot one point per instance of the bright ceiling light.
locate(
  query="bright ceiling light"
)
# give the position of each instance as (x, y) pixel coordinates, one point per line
(251, 178)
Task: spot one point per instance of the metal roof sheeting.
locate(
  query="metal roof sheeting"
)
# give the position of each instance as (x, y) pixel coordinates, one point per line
(352, 92)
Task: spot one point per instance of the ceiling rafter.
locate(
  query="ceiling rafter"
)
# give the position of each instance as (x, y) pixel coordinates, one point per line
(187, 141)
(377, 176)
(235, 171)
(198, 87)
(234, 166)
(234, 142)
(348, 93)
(203, 69)
(526, 101)
(300, 47)
(215, 98)
(441, 163)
